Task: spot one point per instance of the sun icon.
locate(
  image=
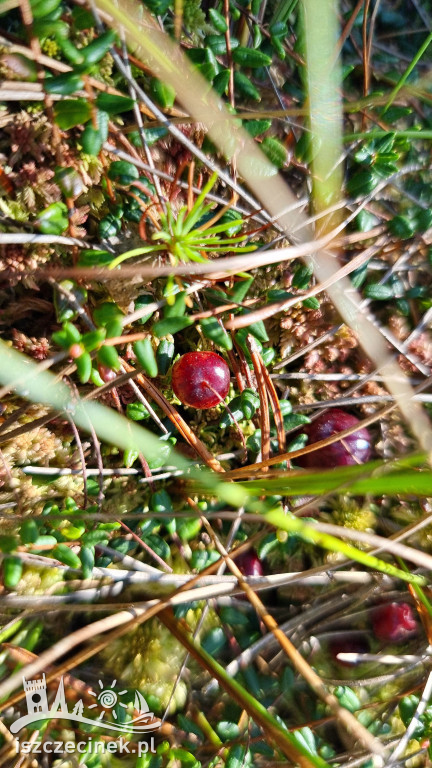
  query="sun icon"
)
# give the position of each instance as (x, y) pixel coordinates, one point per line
(107, 698)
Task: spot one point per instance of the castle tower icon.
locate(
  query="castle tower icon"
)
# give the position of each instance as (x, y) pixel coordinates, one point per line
(36, 696)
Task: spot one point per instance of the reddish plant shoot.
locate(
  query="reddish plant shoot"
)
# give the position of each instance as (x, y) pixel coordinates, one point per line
(201, 379)
(393, 622)
(106, 374)
(354, 449)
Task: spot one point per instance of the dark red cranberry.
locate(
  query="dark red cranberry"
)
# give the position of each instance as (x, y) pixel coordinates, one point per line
(201, 379)
(348, 644)
(393, 622)
(356, 448)
(249, 564)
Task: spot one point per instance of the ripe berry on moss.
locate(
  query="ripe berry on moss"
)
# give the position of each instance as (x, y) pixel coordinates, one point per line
(355, 448)
(201, 379)
(393, 622)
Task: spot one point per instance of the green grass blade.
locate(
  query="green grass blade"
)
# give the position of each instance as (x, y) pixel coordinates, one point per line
(401, 82)
(286, 741)
(135, 252)
(307, 532)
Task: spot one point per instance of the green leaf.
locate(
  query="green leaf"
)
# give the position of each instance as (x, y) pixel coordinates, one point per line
(164, 356)
(244, 87)
(8, 543)
(12, 571)
(250, 57)
(84, 367)
(365, 221)
(347, 698)
(163, 94)
(362, 183)
(423, 219)
(69, 50)
(256, 329)
(407, 708)
(306, 737)
(64, 554)
(228, 731)
(95, 378)
(402, 226)
(215, 332)
(107, 355)
(90, 258)
(218, 20)
(142, 301)
(137, 411)
(158, 545)
(178, 306)
(359, 275)
(302, 277)
(280, 50)
(233, 616)
(41, 8)
(93, 339)
(159, 8)
(53, 219)
(378, 292)
(161, 502)
(257, 127)
(64, 84)
(107, 311)
(217, 44)
(87, 557)
(188, 528)
(94, 51)
(113, 104)
(183, 758)
(82, 18)
(221, 81)
(236, 757)
(171, 325)
(73, 336)
(71, 112)
(130, 456)
(215, 640)
(29, 532)
(293, 420)
(311, 303)
(122, 172)
(146, 357)
(275, 151)
(93, 138)
(154, 134)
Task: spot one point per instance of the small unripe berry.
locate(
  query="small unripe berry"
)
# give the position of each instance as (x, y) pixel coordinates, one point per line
(201, 379)
(355, 448)
(393, 622)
